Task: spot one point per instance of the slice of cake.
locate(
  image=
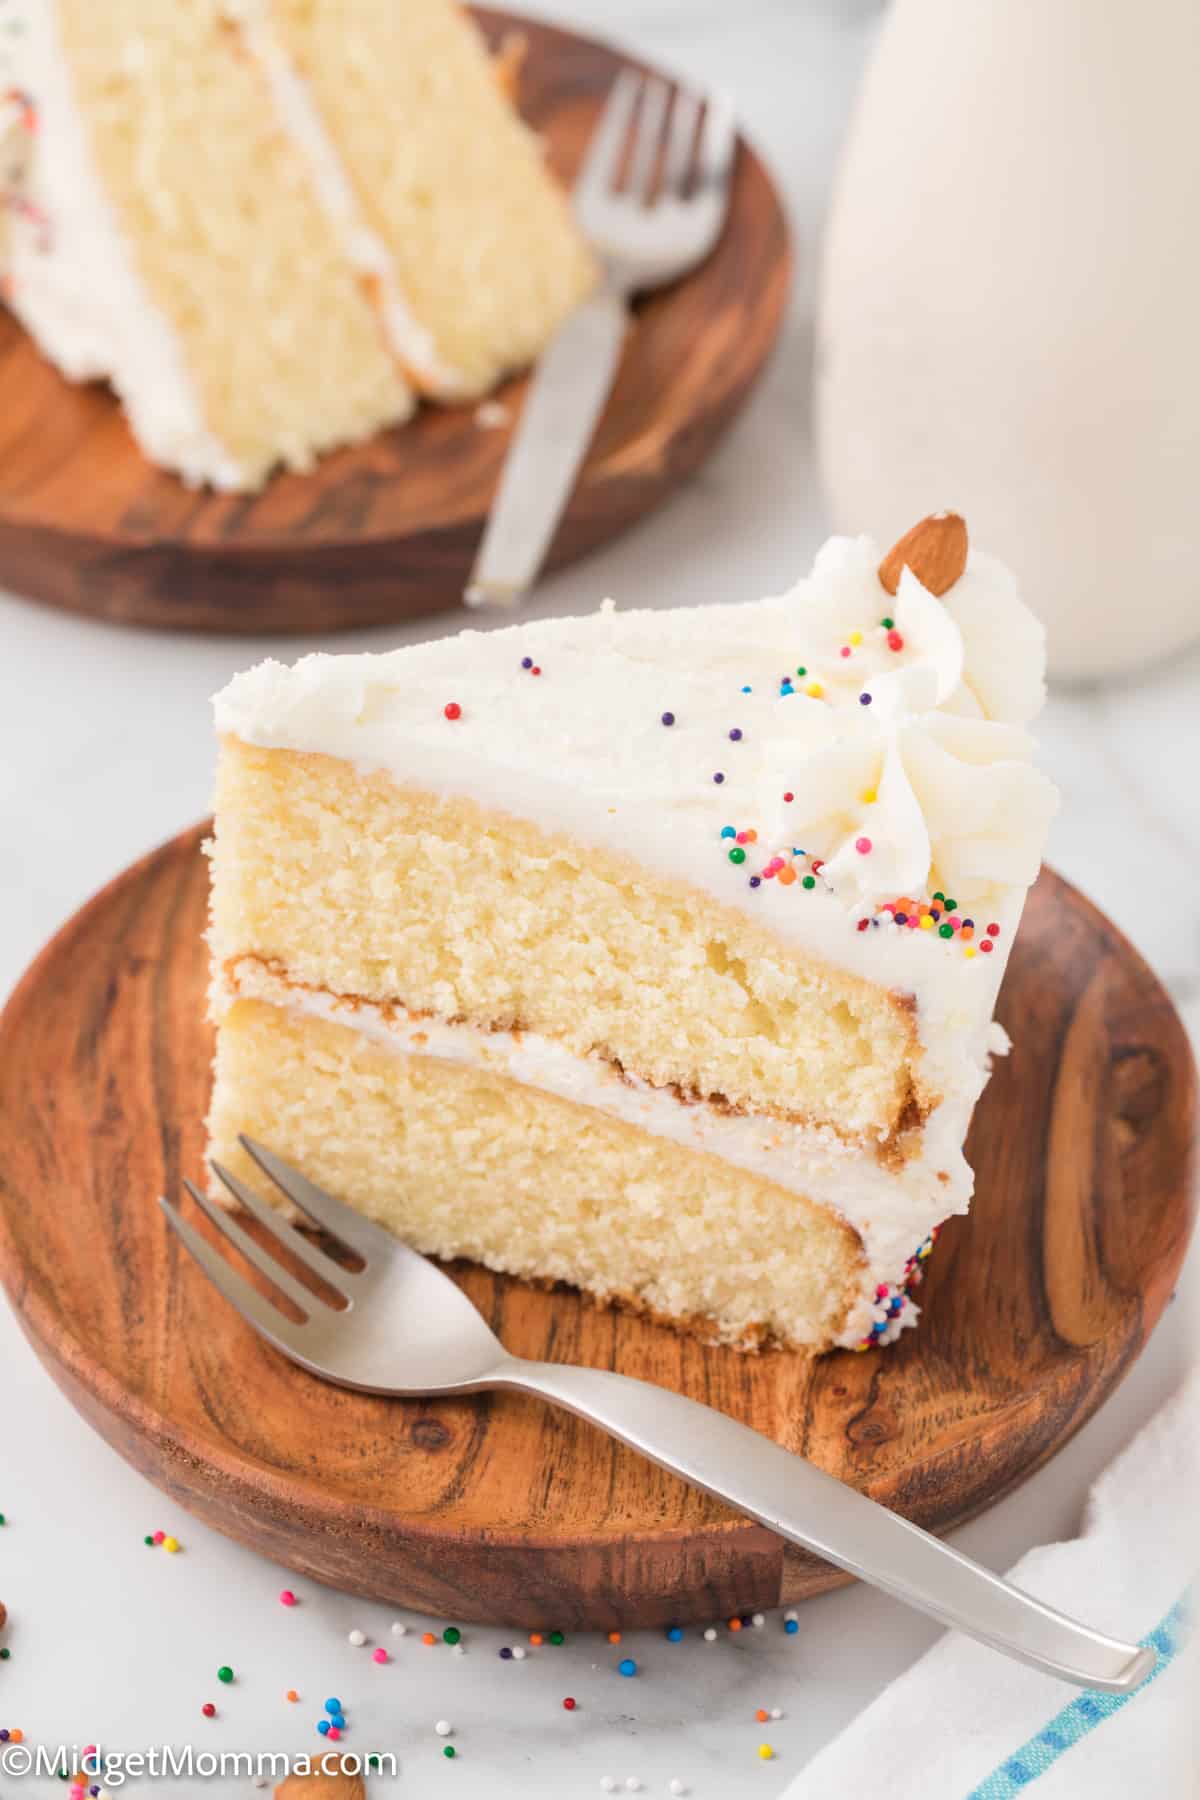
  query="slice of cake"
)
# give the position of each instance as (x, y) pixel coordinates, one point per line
(652, 952)
(271, 223)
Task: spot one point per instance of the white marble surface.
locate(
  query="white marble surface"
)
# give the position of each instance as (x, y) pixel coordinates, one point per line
(104, 750)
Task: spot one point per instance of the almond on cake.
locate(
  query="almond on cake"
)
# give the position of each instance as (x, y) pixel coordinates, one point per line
(651, 952)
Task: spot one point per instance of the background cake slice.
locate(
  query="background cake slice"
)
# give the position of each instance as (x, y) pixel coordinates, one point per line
(651, 952)
(271, 223)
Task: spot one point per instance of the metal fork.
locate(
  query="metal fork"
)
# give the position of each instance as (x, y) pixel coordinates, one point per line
(651, 199)
(404, 1328)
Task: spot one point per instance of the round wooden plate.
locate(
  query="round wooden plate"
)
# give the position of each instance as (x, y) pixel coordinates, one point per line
(501, 1509)
(388, 529)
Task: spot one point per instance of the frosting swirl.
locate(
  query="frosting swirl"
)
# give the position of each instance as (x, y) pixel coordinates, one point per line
(905, 765)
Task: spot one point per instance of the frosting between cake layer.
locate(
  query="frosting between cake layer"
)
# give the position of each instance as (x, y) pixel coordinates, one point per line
(891, 1210)
(80, 296)
(363, 249)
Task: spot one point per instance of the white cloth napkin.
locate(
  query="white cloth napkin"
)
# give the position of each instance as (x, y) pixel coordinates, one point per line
(966, 1724)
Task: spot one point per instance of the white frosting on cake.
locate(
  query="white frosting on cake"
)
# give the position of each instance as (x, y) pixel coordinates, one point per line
(73, 282)
(581, 747)
(956, 802)
(363, 249)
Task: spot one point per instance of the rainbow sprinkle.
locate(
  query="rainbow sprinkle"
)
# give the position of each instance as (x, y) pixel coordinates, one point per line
(893, 1299)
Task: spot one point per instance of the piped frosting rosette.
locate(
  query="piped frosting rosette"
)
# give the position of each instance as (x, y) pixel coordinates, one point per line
(909, 770)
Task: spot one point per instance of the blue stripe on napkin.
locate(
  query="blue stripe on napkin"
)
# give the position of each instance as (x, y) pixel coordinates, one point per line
(1082, 1715)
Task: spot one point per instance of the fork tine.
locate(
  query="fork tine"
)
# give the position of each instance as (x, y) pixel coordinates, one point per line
(254, 1253)
(648, 138)
(603, 159)
(331, 1215)
(284, 1234)
(253, 1306)
(718, 141)
(681, 142)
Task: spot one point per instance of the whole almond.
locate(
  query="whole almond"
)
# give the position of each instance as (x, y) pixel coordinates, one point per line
(319, 1786)
(935, 551)
(3, 1615)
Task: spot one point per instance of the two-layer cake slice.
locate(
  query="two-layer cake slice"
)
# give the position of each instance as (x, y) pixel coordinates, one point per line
(272, 224)
(651, 952)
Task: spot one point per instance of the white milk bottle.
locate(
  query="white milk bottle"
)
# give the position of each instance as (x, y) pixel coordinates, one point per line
(1010, 307)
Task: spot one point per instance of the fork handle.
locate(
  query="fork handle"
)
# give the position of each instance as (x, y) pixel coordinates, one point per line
(565, 399)
(810, 1508)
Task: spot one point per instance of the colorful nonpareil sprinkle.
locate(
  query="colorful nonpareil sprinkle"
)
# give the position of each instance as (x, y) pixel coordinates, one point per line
(627, 1666)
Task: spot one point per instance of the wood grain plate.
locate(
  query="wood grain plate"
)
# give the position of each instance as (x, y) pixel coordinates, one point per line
(388, 529)
(501, 1509)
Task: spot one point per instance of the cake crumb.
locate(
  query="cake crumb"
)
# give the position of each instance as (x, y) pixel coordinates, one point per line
(490, 415)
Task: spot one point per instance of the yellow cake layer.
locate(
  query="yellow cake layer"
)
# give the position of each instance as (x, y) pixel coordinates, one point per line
(460, 1162)
(487, 257)
(356, 884)
(221, 222)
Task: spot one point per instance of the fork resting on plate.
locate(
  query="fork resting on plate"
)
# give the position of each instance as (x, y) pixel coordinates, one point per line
(405, 1328)
(651, 198)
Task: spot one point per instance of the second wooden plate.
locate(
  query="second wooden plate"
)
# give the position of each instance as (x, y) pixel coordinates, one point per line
(387, 529)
